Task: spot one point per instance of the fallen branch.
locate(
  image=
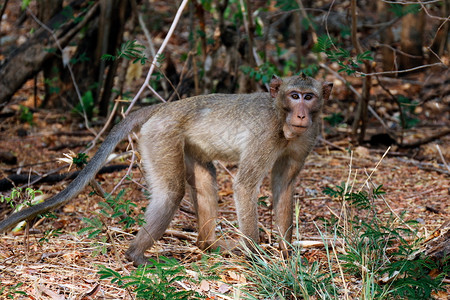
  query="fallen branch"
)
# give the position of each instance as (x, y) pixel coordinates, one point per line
(426, 140)
(16, 179)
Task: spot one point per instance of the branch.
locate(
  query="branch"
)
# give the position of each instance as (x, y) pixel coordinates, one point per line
(155, 59)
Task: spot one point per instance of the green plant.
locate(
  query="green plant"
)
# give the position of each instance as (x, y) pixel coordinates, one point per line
(294, 278)
(11, 292)
(408, 118)
(52, 84)
(80, 160)
(87, 105)
(334, 119)
(153, 282)
(360, 199)
(18, 198)
(118, 207)
(368, 238)
(26, 115)
(341, 56)
(48, 234)
(25, 4)
(401, 10)
(112, 207)
(95, 229)
(130, 50)
(262, 73)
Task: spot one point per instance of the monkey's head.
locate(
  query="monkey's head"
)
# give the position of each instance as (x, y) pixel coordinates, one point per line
(299, 100)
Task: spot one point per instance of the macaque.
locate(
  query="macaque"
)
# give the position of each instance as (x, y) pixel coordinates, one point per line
(262, 132)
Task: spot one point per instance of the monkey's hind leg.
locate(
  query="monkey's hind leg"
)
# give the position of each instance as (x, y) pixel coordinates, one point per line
(201, 178)
(158, 214)
(166, 176)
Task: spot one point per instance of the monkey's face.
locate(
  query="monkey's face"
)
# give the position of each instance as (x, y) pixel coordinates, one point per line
(300, 100)
(301, 108)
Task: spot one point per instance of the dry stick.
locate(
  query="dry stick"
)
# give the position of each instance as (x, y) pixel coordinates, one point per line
(146, 84)
(152, 50)
(332, 144)
(246, 16)
(118, 259)
(183, 74)
(402, 71)
(361, 117)
(376, 167)
(384, 199)
(442, 158)
(72, 75)
(133, 158)
(160, 51)
(326, 25)
(305, 16)
(358, 95)
(148, 36)
(111, 115)
(402, 117)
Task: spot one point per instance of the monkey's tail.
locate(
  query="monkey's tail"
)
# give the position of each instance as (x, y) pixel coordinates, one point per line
(117, 134)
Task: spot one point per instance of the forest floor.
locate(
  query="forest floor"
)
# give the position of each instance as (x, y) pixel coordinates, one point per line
(63, 264)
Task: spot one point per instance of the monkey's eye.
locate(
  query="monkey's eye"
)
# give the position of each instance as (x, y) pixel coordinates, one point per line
(295, 96)
(308, 97)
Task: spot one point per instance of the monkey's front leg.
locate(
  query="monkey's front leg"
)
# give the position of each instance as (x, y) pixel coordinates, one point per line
(246, 187)
(284, 174)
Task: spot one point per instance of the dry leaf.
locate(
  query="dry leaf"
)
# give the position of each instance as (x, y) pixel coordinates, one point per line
(204, 285)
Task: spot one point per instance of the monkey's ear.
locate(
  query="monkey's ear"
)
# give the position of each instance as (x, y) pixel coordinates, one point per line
(326, 90)
(275, 85)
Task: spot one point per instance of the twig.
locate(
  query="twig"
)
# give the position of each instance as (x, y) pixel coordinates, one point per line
(111, 116)
(155, 59)
(305, 16)
(331, 144)
(338, 76)
(442, 158)
(133, 157)
(428, 139)
(402, 71)
(422, 165)
(374, 169)
(147, 34)
(358, 95)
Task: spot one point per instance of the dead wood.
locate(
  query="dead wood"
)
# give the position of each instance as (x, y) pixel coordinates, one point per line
(16, 179)
(29, 58)
(437, 245)
(426, 140)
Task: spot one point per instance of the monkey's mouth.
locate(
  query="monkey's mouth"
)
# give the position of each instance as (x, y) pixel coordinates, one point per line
(299, 128)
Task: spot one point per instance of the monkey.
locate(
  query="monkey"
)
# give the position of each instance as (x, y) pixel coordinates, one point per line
(272, 131)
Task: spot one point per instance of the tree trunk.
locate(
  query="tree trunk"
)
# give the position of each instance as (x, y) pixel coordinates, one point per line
(46, 10)
(30, 57)
(386, 37)
(92, 73)
(413, 26)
